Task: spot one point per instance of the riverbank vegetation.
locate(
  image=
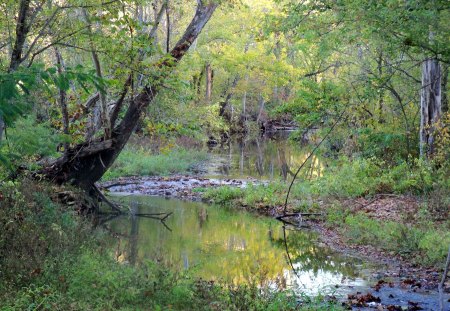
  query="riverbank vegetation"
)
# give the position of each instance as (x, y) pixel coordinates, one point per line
(140, 162)
(403, 209)
(53, 259)
(366, 81)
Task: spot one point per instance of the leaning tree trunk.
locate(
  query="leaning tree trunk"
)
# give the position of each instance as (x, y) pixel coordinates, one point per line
(430, 105)
(85, 163)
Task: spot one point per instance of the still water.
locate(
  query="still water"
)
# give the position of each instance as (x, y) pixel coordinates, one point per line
(262, 158)
(234, 247)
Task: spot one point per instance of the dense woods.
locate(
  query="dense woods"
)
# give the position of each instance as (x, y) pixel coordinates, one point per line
(361, 84)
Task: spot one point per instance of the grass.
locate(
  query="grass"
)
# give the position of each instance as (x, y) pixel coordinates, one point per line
(137, 161)
(425, 241)
(52, 259)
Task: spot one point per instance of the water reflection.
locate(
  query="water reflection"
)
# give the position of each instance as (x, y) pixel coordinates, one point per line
(261, 157)
(226, 246)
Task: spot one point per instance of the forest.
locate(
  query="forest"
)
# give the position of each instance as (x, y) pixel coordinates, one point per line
(224, 155)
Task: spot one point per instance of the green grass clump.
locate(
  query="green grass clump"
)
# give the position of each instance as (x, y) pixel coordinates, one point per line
(223, 195)
(136, 161)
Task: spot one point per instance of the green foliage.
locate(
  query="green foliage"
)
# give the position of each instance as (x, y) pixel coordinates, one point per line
(27, 142)
(369, 176)
(424, 244)
(35, 231)
(17, 87)
(223, 195)
(137, 161)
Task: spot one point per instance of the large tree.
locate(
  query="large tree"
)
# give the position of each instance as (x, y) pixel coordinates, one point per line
(85, 163)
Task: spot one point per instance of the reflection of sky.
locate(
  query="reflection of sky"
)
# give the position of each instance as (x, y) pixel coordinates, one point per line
(313, 283)
(231, 247)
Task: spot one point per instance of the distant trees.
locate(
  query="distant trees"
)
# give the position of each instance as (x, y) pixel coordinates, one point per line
(389, 55)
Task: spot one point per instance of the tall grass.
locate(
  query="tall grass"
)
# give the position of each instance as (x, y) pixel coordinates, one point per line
(137, 161)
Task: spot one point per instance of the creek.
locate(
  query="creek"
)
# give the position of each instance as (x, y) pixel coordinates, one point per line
(230, 246)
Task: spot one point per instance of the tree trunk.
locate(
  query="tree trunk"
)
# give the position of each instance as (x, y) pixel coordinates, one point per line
(444, 88)
(209, 82)
(63, 99)
(86, 163)
(2, 127)
(167, 28)
(430, 105)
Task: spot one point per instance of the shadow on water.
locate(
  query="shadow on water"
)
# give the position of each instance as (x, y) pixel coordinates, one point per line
(227, 246)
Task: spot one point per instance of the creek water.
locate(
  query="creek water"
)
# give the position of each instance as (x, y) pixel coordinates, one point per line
(215, 243)
(229, 246)
(266, 158)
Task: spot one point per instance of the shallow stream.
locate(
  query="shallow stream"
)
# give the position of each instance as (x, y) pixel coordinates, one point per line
(229, 246)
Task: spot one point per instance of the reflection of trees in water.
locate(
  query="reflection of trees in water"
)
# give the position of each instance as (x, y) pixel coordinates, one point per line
(215, 243)
(304, 249)
(262, 157)
(218, 245)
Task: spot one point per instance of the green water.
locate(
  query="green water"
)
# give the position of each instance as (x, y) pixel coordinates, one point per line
(261, 158)
(229, 247)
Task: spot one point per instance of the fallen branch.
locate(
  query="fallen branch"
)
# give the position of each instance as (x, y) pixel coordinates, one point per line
(441, 284)
(102, 197)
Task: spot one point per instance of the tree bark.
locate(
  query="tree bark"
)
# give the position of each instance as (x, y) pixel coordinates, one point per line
(100, 116)
(63, 99)
(167, 28)
(209, 82)
(22, 30)
(444, 88)
(430, 105)
(87, 162)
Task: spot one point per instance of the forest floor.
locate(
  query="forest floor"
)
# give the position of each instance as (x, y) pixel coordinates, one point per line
(402, 279)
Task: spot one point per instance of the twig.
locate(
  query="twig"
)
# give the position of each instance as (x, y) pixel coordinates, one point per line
(309, 156)
(441, 284)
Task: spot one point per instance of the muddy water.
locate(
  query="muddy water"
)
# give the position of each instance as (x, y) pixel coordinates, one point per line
(262, 158)
(233, 247)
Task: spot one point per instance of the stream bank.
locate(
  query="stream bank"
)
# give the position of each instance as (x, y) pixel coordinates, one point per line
(399, 284)
(245, 175)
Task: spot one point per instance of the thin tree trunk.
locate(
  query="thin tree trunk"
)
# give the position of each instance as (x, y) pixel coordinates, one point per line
(444, 87)
(381, 91)
(22, 30)
(63, 99)
(209, 82)
(104, 115)
(167, 28)
(2, 127)
(430, 105)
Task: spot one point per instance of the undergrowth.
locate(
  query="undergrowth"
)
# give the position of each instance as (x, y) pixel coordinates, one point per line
(53, 259)
(138, 161)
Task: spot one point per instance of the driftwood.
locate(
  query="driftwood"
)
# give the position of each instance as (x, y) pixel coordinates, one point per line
(299, 217)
